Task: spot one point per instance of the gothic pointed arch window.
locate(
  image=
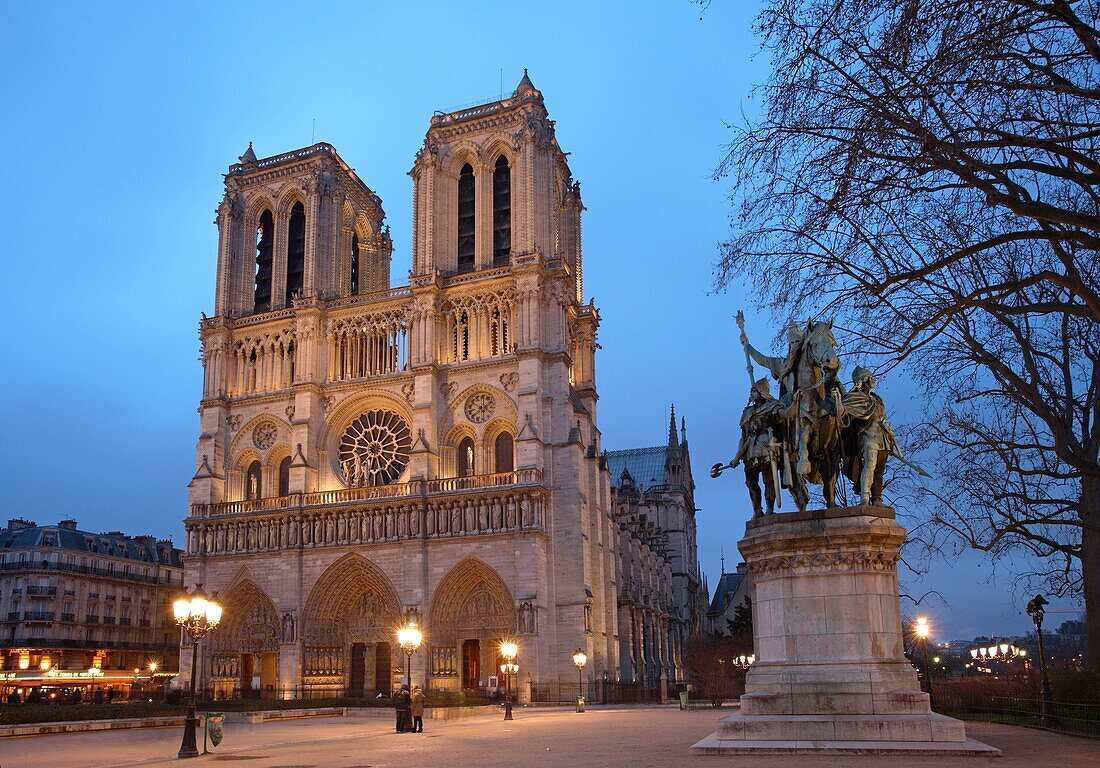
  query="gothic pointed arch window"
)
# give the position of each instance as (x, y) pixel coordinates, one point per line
(265, 240)
(466, 222)
(354, 264)
(296, 252)
(466, 457)
(503, 453)
(502, 213)
(253, 479)
(284, 476)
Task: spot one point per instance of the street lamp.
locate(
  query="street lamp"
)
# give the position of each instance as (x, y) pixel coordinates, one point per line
(996, 652)
(1035, 609)
(743, 661)
(196, 614)
(409, 638)
(94, 672)
(580, 659)
(508, 652)
(923, 629)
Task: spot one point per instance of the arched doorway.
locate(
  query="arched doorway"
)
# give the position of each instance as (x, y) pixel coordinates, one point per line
(349, 620)
(245, 649)
(472, 610)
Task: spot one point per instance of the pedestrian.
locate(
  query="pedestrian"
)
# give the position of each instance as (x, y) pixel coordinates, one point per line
(401, 707)
(416, 709)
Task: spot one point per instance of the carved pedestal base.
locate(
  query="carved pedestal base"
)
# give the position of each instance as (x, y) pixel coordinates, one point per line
(830, 674)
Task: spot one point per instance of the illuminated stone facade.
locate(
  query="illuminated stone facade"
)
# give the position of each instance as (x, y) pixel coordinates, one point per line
(370, 454)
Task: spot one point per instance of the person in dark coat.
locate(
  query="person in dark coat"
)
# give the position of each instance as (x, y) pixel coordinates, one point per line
(401, 706)
(416, 710)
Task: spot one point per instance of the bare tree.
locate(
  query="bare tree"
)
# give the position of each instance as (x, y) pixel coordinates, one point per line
(927, 172)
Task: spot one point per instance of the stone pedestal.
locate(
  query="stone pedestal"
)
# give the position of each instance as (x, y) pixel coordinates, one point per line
(830, 672)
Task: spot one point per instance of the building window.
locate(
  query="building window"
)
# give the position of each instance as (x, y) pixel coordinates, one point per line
(284, 477)
(466, 222)
(502, 213)
(296, 252)
(354, 264)
(252, 480)
(265, 240)
(502, 450)
(466, 457)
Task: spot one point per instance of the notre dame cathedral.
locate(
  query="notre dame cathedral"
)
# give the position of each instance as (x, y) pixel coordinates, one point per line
(371, 455)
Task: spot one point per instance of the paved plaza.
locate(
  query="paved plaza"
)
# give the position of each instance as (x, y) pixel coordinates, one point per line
(640, 738)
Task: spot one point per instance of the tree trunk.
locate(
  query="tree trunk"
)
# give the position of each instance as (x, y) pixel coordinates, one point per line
(1090, 567)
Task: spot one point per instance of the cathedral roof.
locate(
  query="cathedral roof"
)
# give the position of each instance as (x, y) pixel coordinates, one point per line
(645, 465)
(724, 592)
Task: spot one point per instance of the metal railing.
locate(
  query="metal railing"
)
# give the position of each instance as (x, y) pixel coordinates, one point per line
(1079, 719)
(42, 591)
(37, 615)
(87, 570)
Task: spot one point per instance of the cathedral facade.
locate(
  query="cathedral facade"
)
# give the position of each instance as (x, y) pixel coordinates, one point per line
(372, 455)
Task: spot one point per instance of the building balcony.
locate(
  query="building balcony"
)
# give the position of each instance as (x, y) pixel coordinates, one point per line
(38, 615)
(124, 622)
(13, 615)
(86, 570)
(481, 505)
(70, 593)
(42, 591)
(71, 617)
(108, 619)
(144, 623)
(45, 644)
(91, 618)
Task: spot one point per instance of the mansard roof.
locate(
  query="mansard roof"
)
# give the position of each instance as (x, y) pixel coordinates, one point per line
(645, 465)
(23, 534)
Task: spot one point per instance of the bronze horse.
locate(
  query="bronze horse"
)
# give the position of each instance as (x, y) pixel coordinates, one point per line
(812, 381)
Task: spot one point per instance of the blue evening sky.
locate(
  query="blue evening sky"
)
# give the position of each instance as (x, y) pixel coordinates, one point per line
(119, 120)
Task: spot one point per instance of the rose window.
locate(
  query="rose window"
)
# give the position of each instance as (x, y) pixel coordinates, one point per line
(375, 449)
(480, 407)
(264, 435)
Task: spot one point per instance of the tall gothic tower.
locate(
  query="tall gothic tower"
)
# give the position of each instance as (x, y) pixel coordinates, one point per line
(372, 455)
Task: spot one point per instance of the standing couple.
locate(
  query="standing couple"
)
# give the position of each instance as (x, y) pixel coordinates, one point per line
(409, 705)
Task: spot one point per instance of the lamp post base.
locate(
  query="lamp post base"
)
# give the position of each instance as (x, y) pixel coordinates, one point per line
(188, 748)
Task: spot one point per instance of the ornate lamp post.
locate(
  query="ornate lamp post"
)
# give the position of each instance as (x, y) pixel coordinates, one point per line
(580, 659)
(196, 614)
(743, 661)
(409, 638)
(1036, 607)
(508, 652)
(922, 630)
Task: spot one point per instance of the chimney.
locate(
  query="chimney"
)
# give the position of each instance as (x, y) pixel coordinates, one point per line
(69, 523)
(16, 523)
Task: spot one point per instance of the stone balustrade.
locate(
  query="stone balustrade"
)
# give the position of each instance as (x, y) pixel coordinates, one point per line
(507, 502)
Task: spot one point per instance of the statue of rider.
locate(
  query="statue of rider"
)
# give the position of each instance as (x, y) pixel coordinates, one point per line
(781, 368)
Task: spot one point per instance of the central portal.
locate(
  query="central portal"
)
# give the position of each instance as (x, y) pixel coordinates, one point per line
(471, 664)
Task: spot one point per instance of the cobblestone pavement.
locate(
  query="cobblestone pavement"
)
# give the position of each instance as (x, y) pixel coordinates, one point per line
(641, 738)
